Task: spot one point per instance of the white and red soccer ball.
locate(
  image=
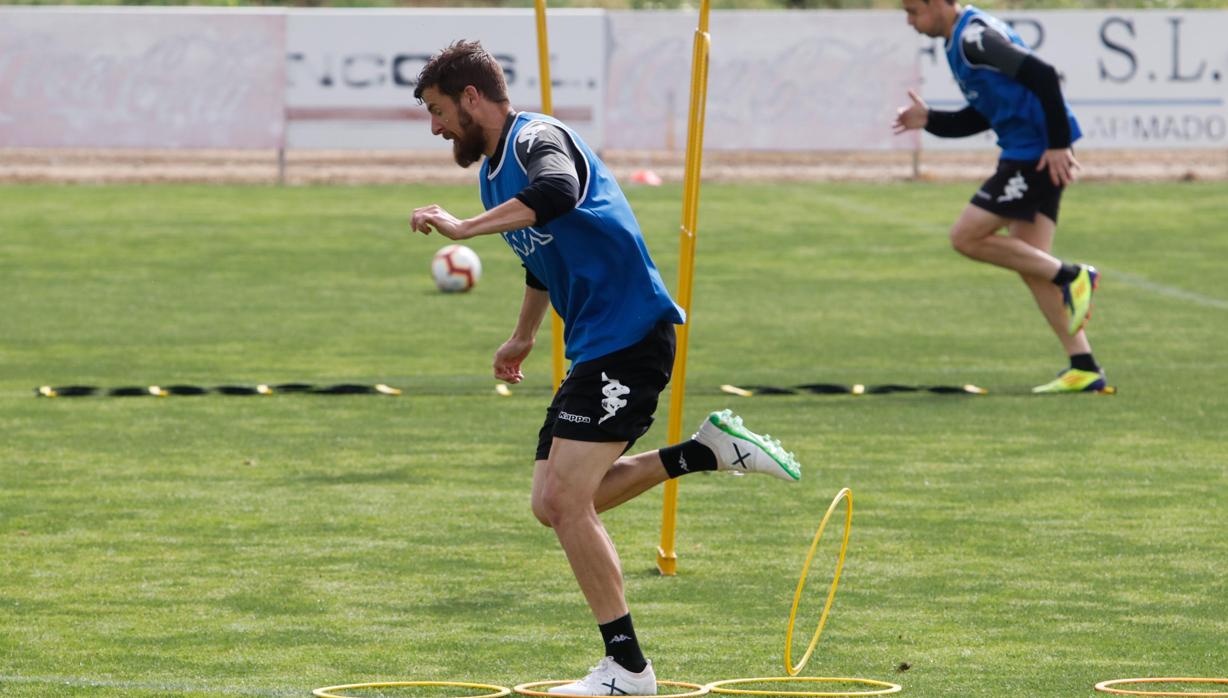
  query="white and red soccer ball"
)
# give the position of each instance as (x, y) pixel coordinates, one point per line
(456, 268)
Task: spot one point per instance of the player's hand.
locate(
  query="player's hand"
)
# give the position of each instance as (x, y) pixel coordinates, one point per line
(509, 357)
(915, 115)
(1061, 164)
(435, 217)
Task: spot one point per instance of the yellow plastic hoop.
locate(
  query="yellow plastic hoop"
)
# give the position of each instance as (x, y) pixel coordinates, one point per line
(1107, 686)
(526, 689)
(883, 687)
(495, 691)
(791, 668)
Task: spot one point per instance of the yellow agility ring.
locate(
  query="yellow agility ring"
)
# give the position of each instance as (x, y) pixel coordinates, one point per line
(1107, 686)
(881, 688)
(529, 689)
(494, 691)
(791, 668)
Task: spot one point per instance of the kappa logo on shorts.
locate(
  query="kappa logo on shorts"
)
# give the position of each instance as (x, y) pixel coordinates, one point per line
(1015, 188)
(613, 391)
(575, 418)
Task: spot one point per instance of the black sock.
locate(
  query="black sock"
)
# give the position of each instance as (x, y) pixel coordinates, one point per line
(1084, 362)
(1066, 274)
(687, 457)
(622, 645)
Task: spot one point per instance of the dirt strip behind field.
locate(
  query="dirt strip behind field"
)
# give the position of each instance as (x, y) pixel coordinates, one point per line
(409, 167)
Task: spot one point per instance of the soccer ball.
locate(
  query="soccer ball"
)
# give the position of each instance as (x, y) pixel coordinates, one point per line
(456, 268)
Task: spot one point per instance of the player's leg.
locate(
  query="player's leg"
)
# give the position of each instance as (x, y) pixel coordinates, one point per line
(1009, 194)
(628, 478)
(1017, 191)
(602, 406)
(722, 442)
(975, 235)
(563, 489)
(1083, 374)
(1039, 234)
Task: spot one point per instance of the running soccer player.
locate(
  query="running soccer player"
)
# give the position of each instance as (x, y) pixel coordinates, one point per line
(558, 207)
(1012, 91)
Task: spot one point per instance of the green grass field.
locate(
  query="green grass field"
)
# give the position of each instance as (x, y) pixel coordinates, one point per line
(1004, 545)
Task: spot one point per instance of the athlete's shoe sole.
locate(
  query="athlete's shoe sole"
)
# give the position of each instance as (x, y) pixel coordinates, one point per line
(741, 450)
(1073, 380)
(1077, 297)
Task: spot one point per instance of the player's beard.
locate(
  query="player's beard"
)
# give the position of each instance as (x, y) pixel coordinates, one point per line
(468, 147)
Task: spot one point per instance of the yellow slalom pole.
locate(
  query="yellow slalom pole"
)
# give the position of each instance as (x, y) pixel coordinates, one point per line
(543, 68)
(667, 557)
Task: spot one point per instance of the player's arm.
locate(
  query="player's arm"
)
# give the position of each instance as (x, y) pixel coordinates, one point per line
(553, 189)
(956, 124)
(556, 172)
(947, 124)
(990, 49)
(509, 215)
(510, 356)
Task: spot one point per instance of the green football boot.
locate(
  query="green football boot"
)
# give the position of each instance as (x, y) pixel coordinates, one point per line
(741, 450)
(1073, 380)
(1077, 297)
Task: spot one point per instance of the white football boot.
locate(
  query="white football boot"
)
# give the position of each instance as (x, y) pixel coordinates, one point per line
(609, 678)
(741, 450)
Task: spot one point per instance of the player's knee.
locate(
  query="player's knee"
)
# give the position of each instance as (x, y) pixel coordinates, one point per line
(556, 507)
(550, 511)
(540, 513)
(538, 504)
(962, 242)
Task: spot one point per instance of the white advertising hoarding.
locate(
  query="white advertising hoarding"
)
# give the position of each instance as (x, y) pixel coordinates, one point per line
(777, 80)
(1134, 78)
(113, 77)
(351, 74)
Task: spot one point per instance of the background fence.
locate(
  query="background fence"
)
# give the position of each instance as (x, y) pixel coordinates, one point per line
(810, 83)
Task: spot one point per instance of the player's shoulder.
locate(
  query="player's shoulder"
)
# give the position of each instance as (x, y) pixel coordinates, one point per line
(974, 29)
(987, 41)
(540, 132)
(982, 25)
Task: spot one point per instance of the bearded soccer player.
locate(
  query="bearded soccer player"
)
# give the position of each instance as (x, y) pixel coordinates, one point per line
(558, 207)
(1018, 95)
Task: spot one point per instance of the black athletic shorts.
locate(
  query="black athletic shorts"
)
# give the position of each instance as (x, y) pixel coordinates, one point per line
(611, 398)
(1017, 190)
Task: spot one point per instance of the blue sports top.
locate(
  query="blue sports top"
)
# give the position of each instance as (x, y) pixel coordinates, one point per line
(592, 259)
(1013, 111)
